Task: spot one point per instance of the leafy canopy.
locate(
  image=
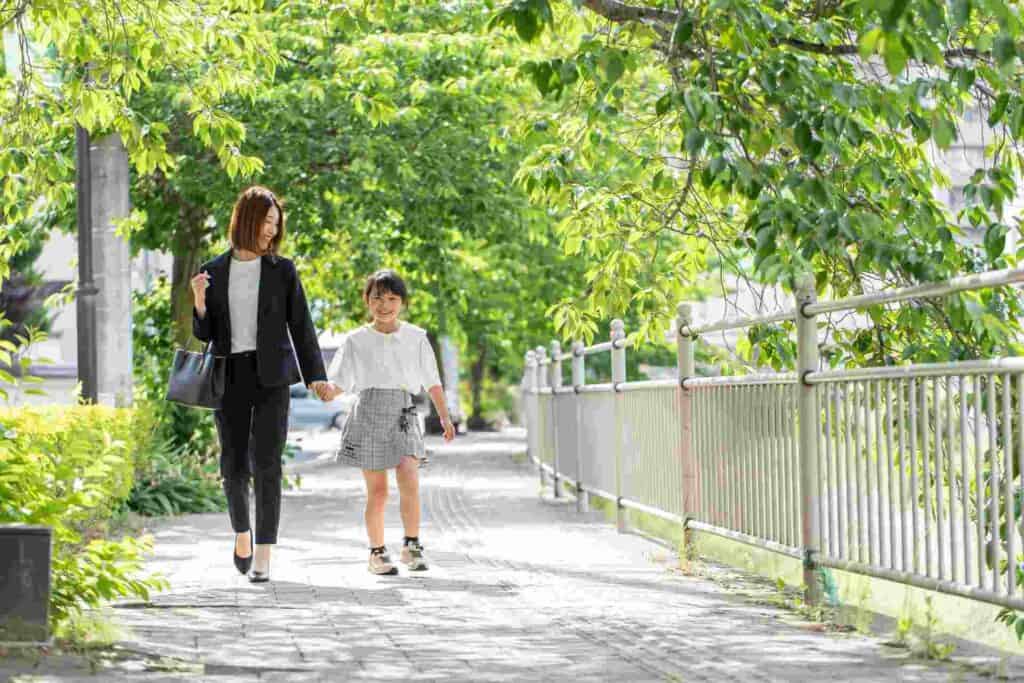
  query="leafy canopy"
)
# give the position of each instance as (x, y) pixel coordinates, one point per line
(767, 139)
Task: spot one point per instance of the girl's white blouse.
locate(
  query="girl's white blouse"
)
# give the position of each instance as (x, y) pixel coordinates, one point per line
(369, 359)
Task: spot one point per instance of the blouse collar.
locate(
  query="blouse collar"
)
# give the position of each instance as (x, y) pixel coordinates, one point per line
(401, 326)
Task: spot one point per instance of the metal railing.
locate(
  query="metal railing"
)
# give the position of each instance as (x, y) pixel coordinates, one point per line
(909, 473)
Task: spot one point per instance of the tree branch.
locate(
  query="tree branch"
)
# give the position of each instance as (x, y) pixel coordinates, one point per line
(621, 12)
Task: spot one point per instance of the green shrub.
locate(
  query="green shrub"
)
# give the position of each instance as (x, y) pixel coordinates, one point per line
(189, 429)
(170, 482)
(71, 469)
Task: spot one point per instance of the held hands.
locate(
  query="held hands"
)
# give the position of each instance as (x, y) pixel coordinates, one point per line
(325, 391)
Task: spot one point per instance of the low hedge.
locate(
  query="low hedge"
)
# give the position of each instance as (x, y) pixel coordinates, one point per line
(72, 468)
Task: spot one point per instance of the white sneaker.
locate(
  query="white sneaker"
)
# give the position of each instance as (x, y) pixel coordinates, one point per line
(412, 555)
(380, 563)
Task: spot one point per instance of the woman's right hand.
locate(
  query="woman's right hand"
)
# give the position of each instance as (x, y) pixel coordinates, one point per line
(199, 284)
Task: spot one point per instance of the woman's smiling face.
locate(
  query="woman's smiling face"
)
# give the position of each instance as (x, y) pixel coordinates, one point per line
(268, 231)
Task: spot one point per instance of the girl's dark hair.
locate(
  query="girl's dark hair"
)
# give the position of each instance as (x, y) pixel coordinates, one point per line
(385, 280)
(247, 218)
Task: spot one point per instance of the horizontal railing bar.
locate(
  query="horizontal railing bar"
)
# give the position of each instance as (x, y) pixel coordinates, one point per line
(601, 493)
(594, 388)
(649, 510)
(969, 367)
(740, 380)
(992, 278)
(941, 586)
(568, 355)
(624, 502)
(647, 384)
(633, 505)
(597, 348)
(744, 538)
(565, 390)
(736, 323)
(544, 390)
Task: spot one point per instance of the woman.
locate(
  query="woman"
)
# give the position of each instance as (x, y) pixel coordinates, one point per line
(247, 301)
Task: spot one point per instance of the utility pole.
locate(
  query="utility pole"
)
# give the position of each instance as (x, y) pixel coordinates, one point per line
(86, 295)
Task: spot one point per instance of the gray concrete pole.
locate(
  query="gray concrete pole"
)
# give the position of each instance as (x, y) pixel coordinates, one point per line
(85, 297)
(112, 260)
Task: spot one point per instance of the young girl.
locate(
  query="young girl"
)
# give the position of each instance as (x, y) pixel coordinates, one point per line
(385, 362)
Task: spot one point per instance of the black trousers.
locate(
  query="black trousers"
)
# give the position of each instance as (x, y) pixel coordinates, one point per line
(252, 425)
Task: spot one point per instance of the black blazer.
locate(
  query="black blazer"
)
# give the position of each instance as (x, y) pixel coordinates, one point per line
(281, 309)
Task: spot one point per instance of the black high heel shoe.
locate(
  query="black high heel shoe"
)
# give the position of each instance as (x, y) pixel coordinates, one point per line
(242, 564)
(259, 577)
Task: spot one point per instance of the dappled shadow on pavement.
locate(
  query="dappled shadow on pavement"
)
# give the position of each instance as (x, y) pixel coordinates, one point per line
(518, 590)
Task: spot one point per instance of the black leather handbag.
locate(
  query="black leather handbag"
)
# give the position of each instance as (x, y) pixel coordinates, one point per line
(197, 379)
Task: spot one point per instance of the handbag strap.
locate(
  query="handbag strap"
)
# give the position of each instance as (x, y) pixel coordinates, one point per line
(208, 351)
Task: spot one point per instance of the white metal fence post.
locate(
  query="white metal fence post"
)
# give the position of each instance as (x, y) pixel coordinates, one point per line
(530, 405)
(687, 455)
(556, 384)
(542, 383)
(618, 356)
(809, 424)
(579, 378)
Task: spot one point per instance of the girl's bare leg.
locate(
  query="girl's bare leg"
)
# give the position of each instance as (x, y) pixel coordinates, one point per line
(376, 498)
(408, 476)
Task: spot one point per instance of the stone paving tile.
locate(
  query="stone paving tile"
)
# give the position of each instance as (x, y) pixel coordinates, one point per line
(520, 589)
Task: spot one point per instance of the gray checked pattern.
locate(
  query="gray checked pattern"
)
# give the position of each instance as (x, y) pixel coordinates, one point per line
(382, 428)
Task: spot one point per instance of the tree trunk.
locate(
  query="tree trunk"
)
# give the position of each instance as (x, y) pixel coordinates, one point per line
(476, 385)
(187, 259)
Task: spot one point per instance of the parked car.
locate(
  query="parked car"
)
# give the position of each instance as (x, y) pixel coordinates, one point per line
(309, 412)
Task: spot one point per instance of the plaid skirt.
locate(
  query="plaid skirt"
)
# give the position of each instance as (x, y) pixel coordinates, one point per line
(382, 428)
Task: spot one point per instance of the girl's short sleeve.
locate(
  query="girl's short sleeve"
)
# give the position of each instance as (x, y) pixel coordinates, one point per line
(429, 375)
(343, 365)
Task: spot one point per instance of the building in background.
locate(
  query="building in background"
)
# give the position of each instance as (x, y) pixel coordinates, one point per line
(57, 264)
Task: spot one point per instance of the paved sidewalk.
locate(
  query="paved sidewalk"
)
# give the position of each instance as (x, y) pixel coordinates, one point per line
(520, 589)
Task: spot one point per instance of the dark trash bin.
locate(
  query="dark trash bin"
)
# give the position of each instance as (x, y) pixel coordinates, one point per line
(24, 583)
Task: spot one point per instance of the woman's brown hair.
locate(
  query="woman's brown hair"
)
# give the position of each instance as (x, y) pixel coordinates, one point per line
(247, 218)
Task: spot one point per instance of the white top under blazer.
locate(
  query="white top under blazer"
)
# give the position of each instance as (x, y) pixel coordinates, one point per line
(369, 359)
(243, 303)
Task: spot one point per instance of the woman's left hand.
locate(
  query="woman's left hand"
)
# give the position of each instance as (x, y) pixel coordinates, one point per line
(449, 429)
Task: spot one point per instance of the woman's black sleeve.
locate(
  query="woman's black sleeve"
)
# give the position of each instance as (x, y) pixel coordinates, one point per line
(307, 348)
